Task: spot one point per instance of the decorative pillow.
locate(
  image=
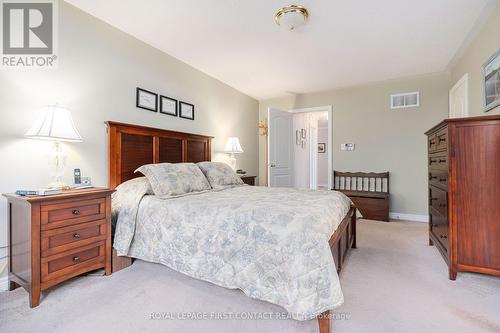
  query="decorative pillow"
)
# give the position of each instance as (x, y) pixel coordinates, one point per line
(169, 179)
(220, 174)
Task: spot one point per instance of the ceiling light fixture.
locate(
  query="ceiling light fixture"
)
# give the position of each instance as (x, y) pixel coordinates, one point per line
(291, 17)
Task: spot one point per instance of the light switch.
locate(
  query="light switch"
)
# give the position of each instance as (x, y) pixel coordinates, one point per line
(347, 146)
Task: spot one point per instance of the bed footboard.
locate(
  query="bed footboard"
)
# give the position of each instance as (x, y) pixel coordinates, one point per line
(341, 242)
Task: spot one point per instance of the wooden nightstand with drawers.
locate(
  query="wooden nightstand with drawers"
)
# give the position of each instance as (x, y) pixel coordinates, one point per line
(249, 180)
(54, 238)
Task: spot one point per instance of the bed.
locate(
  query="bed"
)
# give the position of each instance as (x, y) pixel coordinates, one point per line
(250, 238)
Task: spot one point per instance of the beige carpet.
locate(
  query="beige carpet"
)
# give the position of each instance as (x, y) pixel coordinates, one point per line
(393, 282)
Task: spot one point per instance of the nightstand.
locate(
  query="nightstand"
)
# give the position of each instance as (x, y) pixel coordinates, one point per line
(249, 180)
(54, 238)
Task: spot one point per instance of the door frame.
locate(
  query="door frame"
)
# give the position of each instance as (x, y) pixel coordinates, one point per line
(463, 80)
(329, 109)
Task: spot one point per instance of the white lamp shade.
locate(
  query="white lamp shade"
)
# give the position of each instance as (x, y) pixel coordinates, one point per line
(233, 145)
(54, 123)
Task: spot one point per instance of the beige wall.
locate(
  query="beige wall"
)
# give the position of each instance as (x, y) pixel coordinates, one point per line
(98, 72)
(481, 47)
(385, 139)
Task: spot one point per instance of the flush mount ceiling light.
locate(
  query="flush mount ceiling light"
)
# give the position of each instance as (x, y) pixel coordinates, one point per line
(291, 17)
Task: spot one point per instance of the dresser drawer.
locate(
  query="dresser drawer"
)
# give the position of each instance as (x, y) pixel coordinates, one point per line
(432, 143)
(438, 199)
(442, 139)
(439, 227)
(438, 179)
(66, 238)
(74, 212)
(438, 161)
(68, 262)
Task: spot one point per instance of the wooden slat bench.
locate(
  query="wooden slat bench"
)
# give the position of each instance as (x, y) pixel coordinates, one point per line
(368, 190)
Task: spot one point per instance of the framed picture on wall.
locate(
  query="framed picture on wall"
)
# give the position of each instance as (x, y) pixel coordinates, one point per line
(146, 99)
(168, 105)
(298, 138)
(491, 82)
(186, 110)
(321, 148)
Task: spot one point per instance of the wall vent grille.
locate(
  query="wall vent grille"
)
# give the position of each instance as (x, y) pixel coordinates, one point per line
(405, 100)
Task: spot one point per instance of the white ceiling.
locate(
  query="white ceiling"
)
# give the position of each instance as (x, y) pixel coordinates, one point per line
(344, 43)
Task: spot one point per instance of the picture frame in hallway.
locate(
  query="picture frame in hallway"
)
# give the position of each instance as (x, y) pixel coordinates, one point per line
(186, 110)
(298, 139)
(168, 106)
(491, 82)
(146, 100)
(321, 148)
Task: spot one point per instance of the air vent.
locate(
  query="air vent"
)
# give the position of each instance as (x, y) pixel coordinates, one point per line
(405, 100)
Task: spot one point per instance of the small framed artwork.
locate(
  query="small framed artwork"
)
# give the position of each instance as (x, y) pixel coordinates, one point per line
(297, 138)
(168, 105)
(186, 110)
(321, 148)
(491, 82)
(146, 100)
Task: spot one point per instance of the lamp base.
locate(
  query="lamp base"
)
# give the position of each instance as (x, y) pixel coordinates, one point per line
(57, 161)
(58, 186)
(232, 161)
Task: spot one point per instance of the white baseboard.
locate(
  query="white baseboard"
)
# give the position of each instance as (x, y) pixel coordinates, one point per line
(4, 283)
(409, 217)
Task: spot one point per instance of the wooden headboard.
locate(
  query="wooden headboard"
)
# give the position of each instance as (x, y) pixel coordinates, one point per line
(130, 146)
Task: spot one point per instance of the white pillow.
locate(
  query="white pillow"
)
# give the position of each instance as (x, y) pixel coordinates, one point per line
(220, 174)
(170, 179)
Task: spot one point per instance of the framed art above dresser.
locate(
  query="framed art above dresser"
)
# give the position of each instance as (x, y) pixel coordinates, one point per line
(464, 193)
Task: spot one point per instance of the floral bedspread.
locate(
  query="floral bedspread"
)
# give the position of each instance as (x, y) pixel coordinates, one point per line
(272, 243)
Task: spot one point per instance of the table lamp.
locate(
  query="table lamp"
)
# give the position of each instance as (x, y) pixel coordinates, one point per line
(55, 124)
(233, 147)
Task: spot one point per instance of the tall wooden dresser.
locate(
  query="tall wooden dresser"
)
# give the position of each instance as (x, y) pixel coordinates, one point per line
(464, 193)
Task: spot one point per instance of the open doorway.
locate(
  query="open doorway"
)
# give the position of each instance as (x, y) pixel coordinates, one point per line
(311, 127)
(300, 148)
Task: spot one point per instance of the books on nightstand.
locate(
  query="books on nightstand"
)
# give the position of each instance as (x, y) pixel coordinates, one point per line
(42, 191)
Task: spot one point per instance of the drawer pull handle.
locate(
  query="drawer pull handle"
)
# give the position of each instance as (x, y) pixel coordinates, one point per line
(432, 177)
(432, 143)
(442, 161)
(76, 212)
(432, 161)
(442, 179)
(432, 199)
(76, 259)
(76, 235)
(442, 139)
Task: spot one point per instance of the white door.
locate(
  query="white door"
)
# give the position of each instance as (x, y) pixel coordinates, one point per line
(280, 168)
(459, 101)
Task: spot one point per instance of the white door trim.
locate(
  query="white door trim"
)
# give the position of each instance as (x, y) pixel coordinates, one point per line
(463, 80)
(329, 109)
